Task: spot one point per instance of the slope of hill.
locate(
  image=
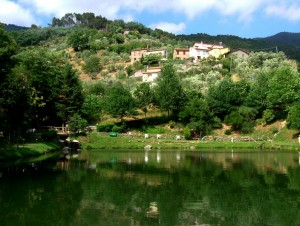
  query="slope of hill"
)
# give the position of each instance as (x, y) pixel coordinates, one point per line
(287, 38)
(12, 27)
(289, 47)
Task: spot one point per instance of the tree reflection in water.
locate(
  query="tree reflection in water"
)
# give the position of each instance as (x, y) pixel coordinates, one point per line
(154, 187)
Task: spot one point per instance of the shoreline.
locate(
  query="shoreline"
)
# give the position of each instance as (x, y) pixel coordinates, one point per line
(96, 141)
(28, 150)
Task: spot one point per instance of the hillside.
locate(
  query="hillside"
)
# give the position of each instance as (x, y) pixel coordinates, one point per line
(286, 37)
(288, 43)
(13, 27)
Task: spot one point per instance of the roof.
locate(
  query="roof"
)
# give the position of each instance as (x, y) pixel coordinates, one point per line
(186, 49)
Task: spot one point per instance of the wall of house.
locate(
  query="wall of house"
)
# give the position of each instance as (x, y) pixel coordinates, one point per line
(218, 52)
(181, 53)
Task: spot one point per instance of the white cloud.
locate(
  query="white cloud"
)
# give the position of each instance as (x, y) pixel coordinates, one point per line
(23, 11)
(12, 13)
(169, 27)
(291, 12)
(111, 10)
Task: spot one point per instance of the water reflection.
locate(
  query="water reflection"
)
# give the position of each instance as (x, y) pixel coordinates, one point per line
(153, 188)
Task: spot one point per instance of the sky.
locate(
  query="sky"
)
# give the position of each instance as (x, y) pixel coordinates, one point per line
(243, 18)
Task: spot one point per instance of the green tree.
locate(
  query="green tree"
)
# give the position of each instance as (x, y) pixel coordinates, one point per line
(227, 96)
(79, 39)
(119, 102)
(196, 114)
(8, 49)
(293, 119)
(144, 96)
(76, 123)
(169, 92)
(284, 88)
(69, 97)
(257, 96)
(92, 108)
(92, 64)
(151, 59)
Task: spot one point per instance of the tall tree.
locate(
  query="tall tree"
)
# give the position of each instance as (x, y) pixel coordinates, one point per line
(119, 102)
(169, 92)
(144, 96)
(69, 97)
(8, 48)
(284, 88)
(226, 96)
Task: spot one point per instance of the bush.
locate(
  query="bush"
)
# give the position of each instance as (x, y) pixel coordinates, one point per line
(248, 127)
(187, 133)
(105, 127)
(121, 75)
(274, 129)
(129, 70)
(268, 116)
(49, 135)
(111, 68)
(217, 123)
(172, 124)
(92, 64)
(154, 130)
(227, 132)
(118, 129)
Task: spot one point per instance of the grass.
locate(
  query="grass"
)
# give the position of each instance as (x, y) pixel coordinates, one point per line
(28, 150)
(97, 141)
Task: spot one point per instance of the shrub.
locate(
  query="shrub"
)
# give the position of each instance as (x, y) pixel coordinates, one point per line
(187, 133)
(129, 70)
(248, 127)
(111, 68)
(49, 135)
(121, 75)
(172, 124)
(274, 129)
(92, 64)
(268, 116)
(119, 129)
(105, 127)
(227, 132)
(154, 130)
(217, 123)
(119, 67)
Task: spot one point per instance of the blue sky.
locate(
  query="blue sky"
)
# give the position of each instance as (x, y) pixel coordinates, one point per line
(244, 18)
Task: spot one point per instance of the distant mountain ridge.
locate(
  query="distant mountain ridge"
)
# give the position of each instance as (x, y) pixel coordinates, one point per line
(13, 27)
(286, 37)
(289, 43)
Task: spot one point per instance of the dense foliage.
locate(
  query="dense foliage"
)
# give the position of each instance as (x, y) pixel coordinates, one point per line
(40, 84)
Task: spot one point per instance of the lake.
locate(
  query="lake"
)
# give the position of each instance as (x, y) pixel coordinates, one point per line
(154, 187)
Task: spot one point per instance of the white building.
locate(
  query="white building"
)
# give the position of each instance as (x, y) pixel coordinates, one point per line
(201, 50)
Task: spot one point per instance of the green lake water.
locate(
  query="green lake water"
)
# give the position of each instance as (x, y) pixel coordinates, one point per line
(153, 188)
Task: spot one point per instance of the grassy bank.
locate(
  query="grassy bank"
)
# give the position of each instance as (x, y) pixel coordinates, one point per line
(28, 150)
(96, 141)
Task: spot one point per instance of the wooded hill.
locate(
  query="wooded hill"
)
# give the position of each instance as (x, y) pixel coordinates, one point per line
(40, 85)
(289, 43)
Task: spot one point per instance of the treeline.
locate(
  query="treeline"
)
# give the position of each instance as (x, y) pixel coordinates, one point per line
(287, 44)
(89, 20)
(39, 87)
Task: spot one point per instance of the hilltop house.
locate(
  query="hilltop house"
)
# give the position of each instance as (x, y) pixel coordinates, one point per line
(181, 53)
(240, 53)
(151, 74)
(136, 55)
(202, 50)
